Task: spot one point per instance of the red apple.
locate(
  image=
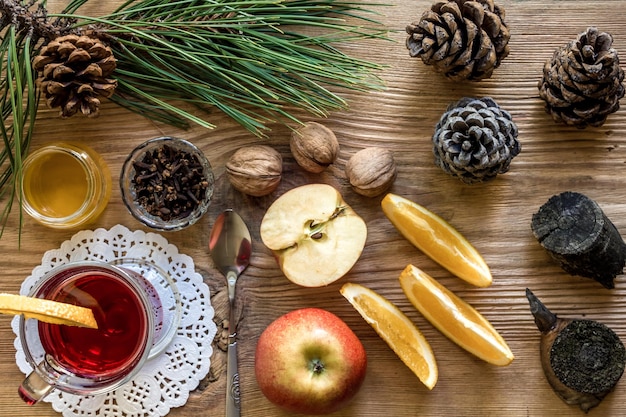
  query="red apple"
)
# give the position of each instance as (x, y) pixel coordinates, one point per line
(309, 361)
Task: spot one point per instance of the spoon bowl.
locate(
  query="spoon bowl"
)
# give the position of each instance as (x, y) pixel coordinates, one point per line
(230, 247)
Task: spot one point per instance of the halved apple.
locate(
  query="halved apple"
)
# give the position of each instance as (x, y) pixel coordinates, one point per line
(314, 234)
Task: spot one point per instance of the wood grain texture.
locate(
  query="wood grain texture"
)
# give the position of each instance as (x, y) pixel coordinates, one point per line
(494, 216)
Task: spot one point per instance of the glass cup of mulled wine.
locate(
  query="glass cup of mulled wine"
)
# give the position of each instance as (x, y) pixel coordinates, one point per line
(136, 307)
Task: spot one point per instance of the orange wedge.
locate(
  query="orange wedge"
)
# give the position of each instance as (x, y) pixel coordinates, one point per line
(47, 310)
(437, 239)
(455, 318)
(395, 328)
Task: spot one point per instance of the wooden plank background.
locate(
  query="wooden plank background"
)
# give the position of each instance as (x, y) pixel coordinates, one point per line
(494, 216)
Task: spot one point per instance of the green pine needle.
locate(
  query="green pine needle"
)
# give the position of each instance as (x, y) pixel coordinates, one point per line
(257, 61)
(19, 104)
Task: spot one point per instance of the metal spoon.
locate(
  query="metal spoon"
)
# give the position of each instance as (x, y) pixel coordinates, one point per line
(230, 247)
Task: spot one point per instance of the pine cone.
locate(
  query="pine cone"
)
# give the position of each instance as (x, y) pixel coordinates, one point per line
(475, 140)
(74, 74)
(463, 39)
(582, 83)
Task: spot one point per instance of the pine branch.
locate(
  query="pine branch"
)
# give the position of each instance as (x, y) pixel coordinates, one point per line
(256, 61)
(19, 103)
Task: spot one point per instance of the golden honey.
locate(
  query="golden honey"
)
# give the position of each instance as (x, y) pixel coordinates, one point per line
(65, 185)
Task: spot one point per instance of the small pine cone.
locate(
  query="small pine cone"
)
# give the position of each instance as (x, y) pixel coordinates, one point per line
(475, 140)
(582, 83)
(463, 39)
(74, 74)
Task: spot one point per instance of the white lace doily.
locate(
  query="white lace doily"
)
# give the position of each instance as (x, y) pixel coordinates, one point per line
(165, 380)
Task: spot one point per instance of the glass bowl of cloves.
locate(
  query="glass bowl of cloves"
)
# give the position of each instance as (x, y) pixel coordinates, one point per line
(167, 183)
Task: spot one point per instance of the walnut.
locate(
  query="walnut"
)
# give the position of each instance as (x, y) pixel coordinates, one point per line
(314, 146)
(371, 171)
(255, 169)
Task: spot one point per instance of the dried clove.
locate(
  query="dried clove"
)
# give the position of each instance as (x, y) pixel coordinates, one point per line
(582, 359)
(169, 183)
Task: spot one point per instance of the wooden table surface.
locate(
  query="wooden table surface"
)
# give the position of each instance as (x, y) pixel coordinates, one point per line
(494, 216)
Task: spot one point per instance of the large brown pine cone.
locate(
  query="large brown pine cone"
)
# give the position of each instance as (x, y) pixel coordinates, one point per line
(582, 83)
(74, 73)
(475, 140)
(463, 39)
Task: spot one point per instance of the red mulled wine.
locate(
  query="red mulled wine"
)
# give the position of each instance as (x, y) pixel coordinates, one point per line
(117, 345)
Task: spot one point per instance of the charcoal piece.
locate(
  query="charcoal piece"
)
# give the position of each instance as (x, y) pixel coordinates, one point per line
(576, 232)
(583, 360)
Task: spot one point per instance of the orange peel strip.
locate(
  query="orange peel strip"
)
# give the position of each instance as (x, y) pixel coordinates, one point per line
(47, 310)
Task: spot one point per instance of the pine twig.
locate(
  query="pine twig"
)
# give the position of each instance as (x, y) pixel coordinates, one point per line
(254, 60)
(257, 61)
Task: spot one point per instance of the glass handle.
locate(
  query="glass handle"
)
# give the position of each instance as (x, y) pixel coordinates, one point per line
(33, 388)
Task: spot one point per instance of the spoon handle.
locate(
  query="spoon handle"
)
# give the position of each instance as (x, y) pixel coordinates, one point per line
(232, 390)
(233, 399)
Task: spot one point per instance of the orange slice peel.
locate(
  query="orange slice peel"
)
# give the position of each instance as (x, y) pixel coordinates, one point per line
(437, 239)
(454, 317)
(47, 310)
(396, 329)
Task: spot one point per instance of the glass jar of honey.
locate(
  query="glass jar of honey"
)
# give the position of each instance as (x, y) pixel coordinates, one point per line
(65, 185)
